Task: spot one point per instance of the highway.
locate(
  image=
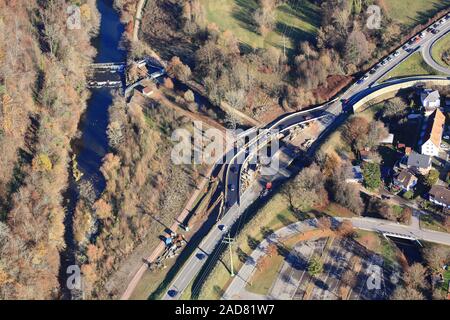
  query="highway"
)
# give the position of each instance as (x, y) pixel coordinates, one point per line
(236, 204)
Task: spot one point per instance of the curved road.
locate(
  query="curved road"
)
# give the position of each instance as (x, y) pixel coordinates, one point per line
(236, 204)
(376, 225)
(427, 53)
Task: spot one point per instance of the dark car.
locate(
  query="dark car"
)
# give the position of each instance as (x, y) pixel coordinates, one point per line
(172, 293)
(231, 187)
(200, 256)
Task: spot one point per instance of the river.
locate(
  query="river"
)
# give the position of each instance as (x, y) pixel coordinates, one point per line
(93, 143)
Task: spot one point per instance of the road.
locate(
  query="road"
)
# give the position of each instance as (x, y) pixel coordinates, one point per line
(427, 49)
(137, 19)
(236, 204)
(236, 289)
(378, 225)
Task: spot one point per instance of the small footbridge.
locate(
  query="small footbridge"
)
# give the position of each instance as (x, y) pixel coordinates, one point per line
(113, 74)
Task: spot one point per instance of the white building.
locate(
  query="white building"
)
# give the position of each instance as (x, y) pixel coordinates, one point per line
(431, 140)
(431, 100)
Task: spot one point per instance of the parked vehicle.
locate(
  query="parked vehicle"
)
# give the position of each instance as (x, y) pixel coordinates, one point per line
(396, 53)
(363, 79)
(172, 293)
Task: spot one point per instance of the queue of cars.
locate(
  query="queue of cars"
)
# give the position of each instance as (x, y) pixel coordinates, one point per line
(433, 29)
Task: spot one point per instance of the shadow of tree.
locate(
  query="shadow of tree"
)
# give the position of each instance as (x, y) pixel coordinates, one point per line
(252, 242)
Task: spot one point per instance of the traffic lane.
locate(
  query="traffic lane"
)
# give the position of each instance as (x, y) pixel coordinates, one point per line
(193, 265)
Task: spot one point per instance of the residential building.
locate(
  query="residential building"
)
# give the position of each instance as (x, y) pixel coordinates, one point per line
(432, 137)
(405, 180)
(419, 163)
(440, 195)
(431, 100)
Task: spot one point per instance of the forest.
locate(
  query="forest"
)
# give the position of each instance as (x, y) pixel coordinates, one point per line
(42, 96)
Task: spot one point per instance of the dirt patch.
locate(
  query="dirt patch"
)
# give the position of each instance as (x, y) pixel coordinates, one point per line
(334, 85)
(308, 235)
(370, 241)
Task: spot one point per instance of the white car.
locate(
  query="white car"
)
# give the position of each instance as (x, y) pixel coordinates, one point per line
(396, 53)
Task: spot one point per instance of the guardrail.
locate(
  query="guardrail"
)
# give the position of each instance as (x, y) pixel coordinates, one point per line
(399, 84)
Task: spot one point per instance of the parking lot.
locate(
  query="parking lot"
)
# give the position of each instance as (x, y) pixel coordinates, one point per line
(338, 255)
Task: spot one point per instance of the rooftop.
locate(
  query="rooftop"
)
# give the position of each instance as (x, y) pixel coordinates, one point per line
(406, 178)
(430, 95)
(419, 160)
(435, 128)
(441, 194)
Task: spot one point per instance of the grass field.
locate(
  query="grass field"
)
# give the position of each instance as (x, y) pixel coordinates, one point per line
(262, 281)
(274, 215)
(439, 48)
(378, 244)
(413, 66)
(298, 21)
(413, 12)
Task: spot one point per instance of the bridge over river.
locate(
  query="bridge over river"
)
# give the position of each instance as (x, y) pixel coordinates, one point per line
(113, 74)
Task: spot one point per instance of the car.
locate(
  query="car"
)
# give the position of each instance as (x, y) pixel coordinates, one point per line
(172, 293)
(446, 137)
(416, 39)
(435, 25)
(385, 197)
(396, 53)
(200, 256)
(373, 71)
(405, 47)
(434, 31)
(383, 62)
(389, 58)
(422, 34)
(430, 29)
(223, 227)
(231, 187)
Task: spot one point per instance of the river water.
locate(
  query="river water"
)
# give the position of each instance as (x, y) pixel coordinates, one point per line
(93, 144)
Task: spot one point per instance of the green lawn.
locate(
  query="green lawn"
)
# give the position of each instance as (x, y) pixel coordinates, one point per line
(439, 48)
(413, 12)
(298, 21)
(446, 280)
(413, 66)
(261, 282)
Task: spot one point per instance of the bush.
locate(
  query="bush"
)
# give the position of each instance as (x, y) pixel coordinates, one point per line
(408, 195)
(372, 175)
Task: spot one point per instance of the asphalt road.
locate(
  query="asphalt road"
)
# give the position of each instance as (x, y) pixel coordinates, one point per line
(443, 29)
(235, 204)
